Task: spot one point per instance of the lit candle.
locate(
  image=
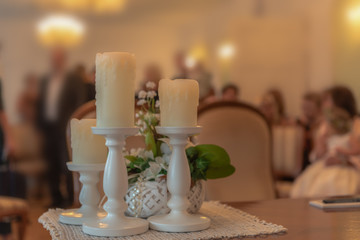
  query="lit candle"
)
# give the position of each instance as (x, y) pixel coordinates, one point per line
(115, 89)
(86, 147)
(179, 100)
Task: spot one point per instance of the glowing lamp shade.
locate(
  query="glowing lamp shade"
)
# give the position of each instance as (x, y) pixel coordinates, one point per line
(354, 15)
(226, 51)
(60, 31)
(190, 62)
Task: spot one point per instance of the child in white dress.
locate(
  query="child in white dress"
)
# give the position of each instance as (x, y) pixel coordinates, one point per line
(332, 174)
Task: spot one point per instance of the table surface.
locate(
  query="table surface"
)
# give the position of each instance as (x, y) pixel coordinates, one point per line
(303, 221)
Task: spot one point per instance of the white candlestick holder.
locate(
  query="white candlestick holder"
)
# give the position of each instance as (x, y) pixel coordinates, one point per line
(178, 182)
(115, 188)
(89, 195)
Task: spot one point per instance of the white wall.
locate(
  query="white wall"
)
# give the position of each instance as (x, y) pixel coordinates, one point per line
(272, 55)
(280, 43)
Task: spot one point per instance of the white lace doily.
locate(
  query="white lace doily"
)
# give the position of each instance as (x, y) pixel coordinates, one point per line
(226, 222)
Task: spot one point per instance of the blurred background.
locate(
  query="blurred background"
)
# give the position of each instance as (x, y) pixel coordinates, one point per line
(296, 45)
(250, 46)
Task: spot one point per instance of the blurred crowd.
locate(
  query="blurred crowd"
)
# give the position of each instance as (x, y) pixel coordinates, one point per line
(329, 128)
(331, 140)
(229, 92)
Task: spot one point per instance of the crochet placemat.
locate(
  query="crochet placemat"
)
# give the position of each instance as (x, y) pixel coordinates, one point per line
(226, 222)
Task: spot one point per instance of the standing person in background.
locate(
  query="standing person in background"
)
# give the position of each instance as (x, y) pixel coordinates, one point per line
(27, 102)
(88, 81)
(309, 121)
(6, 139)
(181, 69)
(60, 94)
(204, 78)
(153, 74)
(6, 150)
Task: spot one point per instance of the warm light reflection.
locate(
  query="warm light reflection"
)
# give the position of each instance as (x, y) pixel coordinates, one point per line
(60, 30)
(100, 6)
(226, 51)
(354, 14)
(97, 6)
(190, 61)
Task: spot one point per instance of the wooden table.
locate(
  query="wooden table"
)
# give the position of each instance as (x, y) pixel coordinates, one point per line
(303, 221)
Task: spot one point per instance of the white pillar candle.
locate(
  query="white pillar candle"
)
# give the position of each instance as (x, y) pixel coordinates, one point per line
(115, 89)
(179, 100)
(86, 147)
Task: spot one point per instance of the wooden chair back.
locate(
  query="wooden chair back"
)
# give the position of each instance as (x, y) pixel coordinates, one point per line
(246, 135)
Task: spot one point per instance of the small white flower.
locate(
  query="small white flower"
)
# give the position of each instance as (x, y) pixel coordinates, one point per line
(151, 94)
(141, 102)
(150, 85)
(165, 149)
(157, 104)
(132, 151)
(167, 158)
(135, 151)
(139, 122)
(126, 152)
(142, 94)
(127, 161)
(152, 171)
(147, 117)
(162, 162)
(149, 154)
(159, 160)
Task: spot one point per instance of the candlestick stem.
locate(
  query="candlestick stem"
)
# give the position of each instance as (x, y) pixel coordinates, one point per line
(115, 187)
(179, 179)
(178, 182)
(89, 195)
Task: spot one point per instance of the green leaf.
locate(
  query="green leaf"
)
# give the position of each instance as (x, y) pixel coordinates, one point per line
(130, 158)
(202, 163)
(136, 170)
(132, 180)
(191, 153)
(163, 171)
(158, 150)
(144, 166)
(138, 161)
(215, 154)
(225, 171)
(150, 142)
(191, 168)
(219, 165)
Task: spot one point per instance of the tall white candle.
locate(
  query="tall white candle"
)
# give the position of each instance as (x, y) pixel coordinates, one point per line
(179, 100)
(115, 89)
(86, 147)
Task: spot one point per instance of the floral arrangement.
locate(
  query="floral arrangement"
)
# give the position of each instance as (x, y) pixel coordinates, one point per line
(205, 161)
